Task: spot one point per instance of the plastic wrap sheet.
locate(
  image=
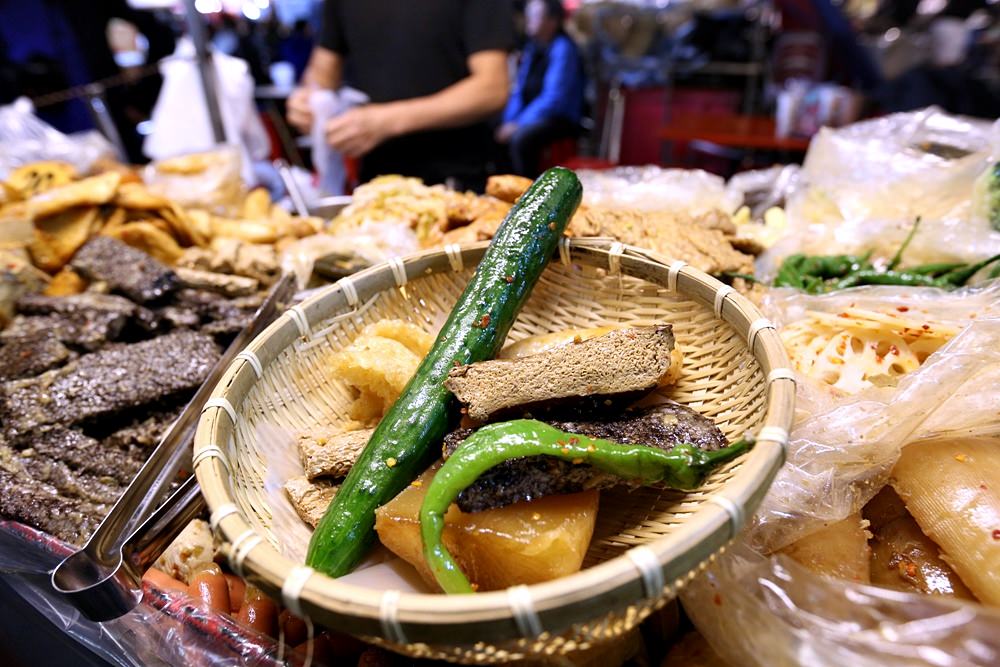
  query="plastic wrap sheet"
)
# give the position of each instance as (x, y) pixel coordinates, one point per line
(766, 610)
(372, 242)
(760, 189)
(165, 629)
(24, 138)
(758, 611)
(692, 191)
(842, 447)
(201, 180)
(866, 183)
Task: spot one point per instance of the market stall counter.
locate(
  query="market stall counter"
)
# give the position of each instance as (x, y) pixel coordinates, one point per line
(667, 352)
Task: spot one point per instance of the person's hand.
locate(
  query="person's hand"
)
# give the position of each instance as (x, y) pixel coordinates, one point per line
(357, 131)
(299, 112)
(505, 132)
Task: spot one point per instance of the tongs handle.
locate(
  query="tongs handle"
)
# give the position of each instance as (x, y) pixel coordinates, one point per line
(99, 562)
(105, 592)
(294, 193)
(151, 539)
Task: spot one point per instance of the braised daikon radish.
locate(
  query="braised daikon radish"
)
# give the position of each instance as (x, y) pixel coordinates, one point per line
(523, 543)
(903, 558)
(837, 550)
(952, 489)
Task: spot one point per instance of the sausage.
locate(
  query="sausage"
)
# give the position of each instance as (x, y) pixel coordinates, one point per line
(375, 657)
(329, 646)
(259, 612)
(293, 627)
(209, 585)
(160, 580)
(237, 592)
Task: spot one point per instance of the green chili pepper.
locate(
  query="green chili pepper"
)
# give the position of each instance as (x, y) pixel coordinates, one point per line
(872, 277)
(935, 269)
(898, 257)
(745, 276)
(790, 272)
(994, 273)
(958, 277)
(810, 273)
(833, 266)
(682, 467)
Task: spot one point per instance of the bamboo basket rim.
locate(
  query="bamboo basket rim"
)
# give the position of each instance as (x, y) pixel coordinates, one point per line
(654, 571)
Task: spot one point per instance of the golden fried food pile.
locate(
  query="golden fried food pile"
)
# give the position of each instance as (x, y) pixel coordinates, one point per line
(52, 211)
(435, 214)
(439, 216)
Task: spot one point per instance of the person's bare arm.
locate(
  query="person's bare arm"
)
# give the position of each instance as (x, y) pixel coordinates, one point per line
(477, 96)
(325, 70)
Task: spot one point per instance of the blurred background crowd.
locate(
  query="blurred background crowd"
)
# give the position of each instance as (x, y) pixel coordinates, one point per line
(452, 91)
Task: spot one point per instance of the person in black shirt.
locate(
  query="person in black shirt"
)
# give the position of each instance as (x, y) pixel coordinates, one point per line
(435, 71)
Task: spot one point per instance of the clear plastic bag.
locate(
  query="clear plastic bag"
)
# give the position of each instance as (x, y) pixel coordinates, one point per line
(372, 242)
(865, 184)
(180, 117)
(690, 191)
(760, 189)
(166, 628)
(756, 609)
(842, 447)
(210, 179)
(325, 105)
(766, 612)
(25, 138)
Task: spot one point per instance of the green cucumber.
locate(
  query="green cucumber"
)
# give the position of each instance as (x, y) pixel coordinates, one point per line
(406, 439)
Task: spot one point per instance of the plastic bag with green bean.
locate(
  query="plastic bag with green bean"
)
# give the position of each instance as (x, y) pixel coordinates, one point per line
(864, 184)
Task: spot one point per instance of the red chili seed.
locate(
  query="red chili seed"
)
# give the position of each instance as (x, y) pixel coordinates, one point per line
(902, 309)
(996, 534)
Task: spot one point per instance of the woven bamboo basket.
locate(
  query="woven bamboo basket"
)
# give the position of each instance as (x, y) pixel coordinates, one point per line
(647, 543)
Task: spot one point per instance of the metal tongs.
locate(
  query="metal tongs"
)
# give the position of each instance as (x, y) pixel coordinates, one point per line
(103, 579)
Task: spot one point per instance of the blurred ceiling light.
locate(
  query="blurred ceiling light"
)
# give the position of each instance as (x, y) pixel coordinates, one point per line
(927, 7)
(208, 6)
(251, 11)
(263, 4)
(152, 4)
(891, 35)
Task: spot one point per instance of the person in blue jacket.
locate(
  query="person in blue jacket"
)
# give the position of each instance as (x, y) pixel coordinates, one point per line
(547, 101)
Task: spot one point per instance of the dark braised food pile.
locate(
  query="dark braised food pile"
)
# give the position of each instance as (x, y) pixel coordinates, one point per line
(90, 382)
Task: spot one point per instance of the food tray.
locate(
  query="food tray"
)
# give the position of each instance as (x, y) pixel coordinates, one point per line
(647, 543)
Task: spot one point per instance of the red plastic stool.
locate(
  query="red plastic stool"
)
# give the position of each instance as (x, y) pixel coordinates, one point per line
(584, 162)
(559, 152)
